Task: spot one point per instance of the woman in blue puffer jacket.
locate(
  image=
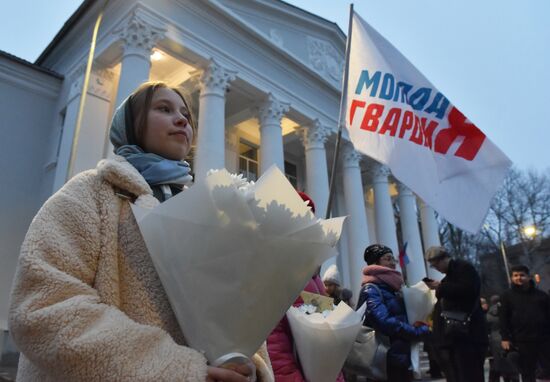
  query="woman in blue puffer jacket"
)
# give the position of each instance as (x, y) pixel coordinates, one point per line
(386, 312)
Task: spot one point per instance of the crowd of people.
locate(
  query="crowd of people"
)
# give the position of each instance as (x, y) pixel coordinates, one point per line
(88, 305)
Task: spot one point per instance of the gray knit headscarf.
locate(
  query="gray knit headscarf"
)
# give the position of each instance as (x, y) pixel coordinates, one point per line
(156, 169)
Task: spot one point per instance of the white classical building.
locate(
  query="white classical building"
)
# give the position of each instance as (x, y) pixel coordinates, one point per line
(264, 80)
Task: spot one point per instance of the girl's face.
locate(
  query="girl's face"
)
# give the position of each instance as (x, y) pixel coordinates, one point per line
(387, 261)
(168, 132)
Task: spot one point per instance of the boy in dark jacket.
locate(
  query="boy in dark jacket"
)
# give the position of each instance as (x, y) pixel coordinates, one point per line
(525, 323)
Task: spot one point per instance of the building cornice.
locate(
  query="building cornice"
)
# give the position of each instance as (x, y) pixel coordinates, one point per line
(270, 44)
(30, 64)
(295, 12)
(27, 75)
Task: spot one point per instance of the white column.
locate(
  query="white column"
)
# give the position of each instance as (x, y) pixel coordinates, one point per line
(371, 220)
(416, 269)
(270, 114)
(231, 151)
(314, 138)
(383, 209)
(430, 234)
(210, 152)
(356, 224)
(139, 38)
(343, 250)
(94, 126)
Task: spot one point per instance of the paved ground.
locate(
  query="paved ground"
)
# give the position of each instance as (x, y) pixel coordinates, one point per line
(8, 367)
(8, 370)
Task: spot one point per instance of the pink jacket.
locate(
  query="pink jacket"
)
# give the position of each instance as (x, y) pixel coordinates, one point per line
(280, 343)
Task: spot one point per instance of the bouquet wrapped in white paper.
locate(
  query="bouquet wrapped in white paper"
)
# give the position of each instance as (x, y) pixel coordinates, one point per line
(419, 304)
(323, 343)
(232, 257)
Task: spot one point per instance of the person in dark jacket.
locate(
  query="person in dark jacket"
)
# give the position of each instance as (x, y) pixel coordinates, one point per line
(499, 365)
(386, 312)
(525, 323)
(460, 356)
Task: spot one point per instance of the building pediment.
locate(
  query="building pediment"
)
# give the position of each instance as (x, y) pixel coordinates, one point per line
(314, 41)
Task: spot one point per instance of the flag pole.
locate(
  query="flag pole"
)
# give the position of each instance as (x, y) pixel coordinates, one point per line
(87, 73)
(341, 116)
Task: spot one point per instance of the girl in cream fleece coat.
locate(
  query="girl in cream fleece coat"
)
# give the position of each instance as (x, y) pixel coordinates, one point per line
(87, 303)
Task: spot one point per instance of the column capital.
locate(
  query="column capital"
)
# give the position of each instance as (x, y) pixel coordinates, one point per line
(215, 78)
(314, 135)
(271, 111)
(350, 156)
(403, 190)
(139, 36)
(380, 173)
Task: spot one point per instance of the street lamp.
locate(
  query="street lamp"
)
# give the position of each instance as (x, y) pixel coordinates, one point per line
(505, 259)
(503, 253)
(530, 231)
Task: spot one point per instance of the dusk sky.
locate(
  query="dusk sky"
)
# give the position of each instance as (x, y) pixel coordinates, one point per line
(490, 58)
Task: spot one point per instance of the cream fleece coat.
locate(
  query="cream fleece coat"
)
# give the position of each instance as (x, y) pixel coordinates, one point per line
(87, 303)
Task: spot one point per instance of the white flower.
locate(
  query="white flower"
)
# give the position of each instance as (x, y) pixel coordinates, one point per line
(325, 313)
(307, 308)
(240, 182)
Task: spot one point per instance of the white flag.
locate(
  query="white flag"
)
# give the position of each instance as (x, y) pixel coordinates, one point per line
(396, 116)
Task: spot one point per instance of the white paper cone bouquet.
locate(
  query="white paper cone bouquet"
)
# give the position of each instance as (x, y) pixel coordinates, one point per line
(233, 256)
(419, 302)
(323, 343)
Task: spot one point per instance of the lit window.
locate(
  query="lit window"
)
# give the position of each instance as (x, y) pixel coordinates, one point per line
(291, 173)
(248, 160)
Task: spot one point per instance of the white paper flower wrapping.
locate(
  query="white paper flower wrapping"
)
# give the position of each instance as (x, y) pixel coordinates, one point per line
(233, 256)
(324, 343)
(419, 302)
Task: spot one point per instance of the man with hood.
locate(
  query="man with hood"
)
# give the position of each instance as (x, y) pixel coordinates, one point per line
(525, 323)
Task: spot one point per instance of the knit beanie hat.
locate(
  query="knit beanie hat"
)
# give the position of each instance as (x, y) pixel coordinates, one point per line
(374, 252)
(332, 275)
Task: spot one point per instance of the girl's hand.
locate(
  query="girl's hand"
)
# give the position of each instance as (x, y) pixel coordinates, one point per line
(218, 374)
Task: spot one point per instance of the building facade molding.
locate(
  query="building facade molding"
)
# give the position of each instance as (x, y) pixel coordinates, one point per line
(100, 84)
(324, 59)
